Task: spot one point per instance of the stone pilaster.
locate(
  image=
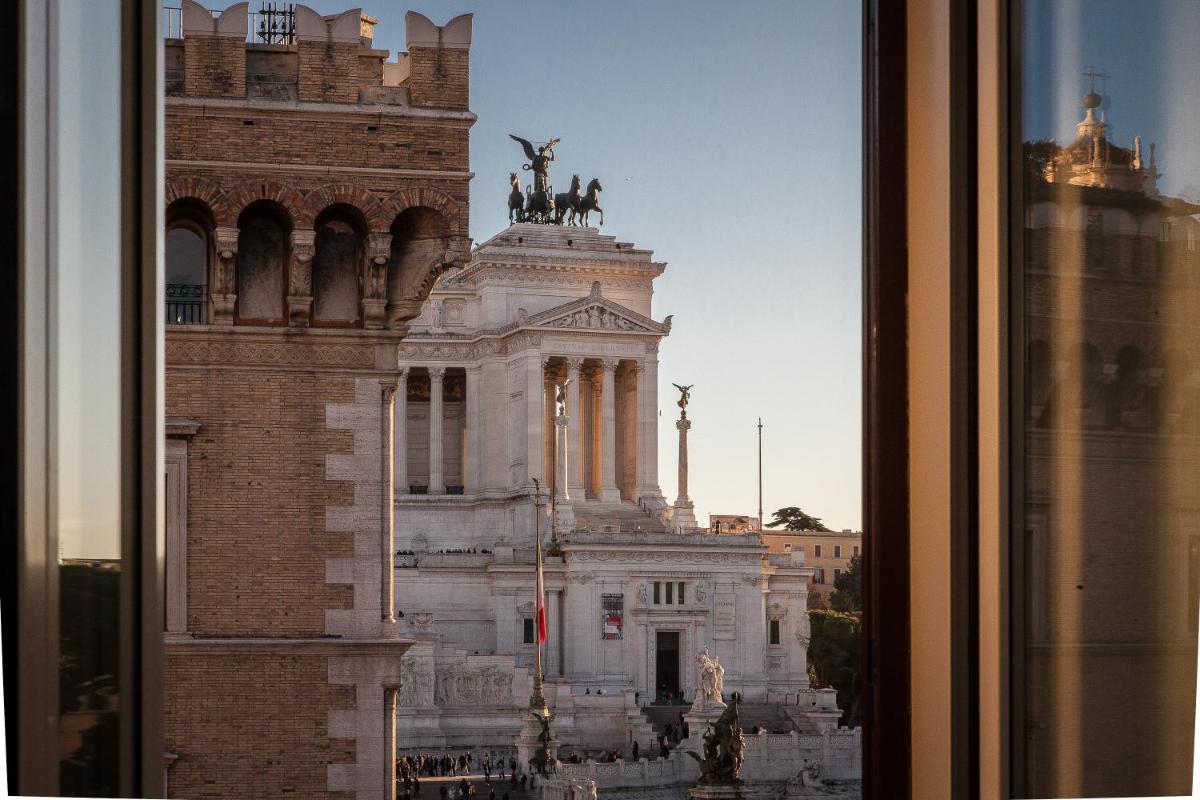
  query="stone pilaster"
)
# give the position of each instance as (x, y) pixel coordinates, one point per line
(387, 506)
(223, 285)
(437, 480)
(374, 302)
(473, 465)
(300, 295)
(400, 433)
(574, 430)
(609, 493)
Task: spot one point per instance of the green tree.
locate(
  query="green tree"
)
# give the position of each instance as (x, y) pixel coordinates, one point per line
(794, 519)
(847, 595)
(834, 657)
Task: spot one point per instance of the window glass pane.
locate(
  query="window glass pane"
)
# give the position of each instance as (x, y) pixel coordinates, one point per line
(1108, 461)
(85, 284)
(187, 261)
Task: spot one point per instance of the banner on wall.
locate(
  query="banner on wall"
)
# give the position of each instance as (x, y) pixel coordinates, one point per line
(612, 611)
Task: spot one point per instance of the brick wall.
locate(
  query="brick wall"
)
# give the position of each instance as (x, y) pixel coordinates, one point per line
(439, 77)
(214, 66)
(251, 725)
(328, 72)
(257, 540)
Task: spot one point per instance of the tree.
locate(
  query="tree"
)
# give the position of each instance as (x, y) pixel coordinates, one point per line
(794, 519)
(834, 657)
(847, 595)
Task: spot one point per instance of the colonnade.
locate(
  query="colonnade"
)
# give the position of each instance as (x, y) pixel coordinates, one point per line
(611, 428)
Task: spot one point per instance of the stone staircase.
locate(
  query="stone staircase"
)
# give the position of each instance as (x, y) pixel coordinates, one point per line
(615, 517)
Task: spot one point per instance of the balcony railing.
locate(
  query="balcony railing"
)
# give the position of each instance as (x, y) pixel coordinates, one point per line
(185, 304)
(273, 23)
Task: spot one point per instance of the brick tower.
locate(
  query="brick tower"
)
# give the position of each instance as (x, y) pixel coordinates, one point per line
(315, 190)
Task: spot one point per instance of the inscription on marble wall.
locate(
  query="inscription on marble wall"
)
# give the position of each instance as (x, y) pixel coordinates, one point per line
(724, 615)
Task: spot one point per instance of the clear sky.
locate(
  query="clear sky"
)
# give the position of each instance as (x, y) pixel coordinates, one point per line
(727, 136)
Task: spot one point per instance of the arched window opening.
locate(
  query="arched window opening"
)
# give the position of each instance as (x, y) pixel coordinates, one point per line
(187, 274)
(420, 237)
(263, 230)
(337, 267)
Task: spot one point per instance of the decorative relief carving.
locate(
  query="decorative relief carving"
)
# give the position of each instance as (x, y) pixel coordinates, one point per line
(460, 685)
(701, 593)
(776, 663)
(803, 630)
(776, 611)
(753, 580)
(642, 595)
(416, 683)
(596, 317)
(202, 352)
(580, 578)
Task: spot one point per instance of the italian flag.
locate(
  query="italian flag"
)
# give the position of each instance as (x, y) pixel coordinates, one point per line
(541, 597)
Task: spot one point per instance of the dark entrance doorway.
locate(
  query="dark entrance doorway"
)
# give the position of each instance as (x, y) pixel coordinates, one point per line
(666, 667)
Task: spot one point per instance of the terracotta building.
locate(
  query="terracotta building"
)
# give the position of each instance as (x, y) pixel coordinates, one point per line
(315, 190)
(827, 554)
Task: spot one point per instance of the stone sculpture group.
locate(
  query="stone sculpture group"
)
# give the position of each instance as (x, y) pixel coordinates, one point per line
(539, 204)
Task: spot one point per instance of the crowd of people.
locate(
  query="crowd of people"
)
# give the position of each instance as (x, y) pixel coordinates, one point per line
(410, 769)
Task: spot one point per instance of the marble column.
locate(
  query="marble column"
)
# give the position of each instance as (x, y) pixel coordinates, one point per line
(400, 433)
(609, 493)
(574, 431)
(643, 433)
(472, 462)
(387, 510)
(535, 420)
(684, 516)
(564, 514)
(437, 481)
(653, 490)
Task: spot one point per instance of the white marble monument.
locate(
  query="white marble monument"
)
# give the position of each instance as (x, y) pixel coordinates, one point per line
(540, 360)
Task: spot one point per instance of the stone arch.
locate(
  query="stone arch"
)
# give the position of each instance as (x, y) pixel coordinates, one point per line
(345, 194)
(263, 255)
(387, 210)
(242, 195)
(339, 257)
(199, 190)
(421, 247)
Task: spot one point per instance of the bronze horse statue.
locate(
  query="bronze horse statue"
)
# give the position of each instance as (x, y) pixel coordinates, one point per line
(516, 200)
(589, 202)
(567, 201)
(539, 205)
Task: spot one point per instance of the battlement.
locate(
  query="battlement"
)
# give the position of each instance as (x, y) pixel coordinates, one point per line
(295, 54)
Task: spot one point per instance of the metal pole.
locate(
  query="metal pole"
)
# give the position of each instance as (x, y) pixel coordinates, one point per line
(760, 521)
(538, 700)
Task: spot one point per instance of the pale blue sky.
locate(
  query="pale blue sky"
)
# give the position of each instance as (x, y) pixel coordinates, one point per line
(727, 137)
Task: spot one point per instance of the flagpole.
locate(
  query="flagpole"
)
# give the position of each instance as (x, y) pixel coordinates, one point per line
(760, 527)
(538, 699)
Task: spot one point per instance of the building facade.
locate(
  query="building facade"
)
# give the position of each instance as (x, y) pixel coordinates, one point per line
(826, 553)
(315, 190)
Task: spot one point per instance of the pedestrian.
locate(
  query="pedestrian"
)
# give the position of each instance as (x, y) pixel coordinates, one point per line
(635, 750)
(524, 782)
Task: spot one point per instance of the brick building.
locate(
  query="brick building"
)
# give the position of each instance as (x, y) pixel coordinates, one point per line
(827, 553)
(315, 190)
(1109, 546)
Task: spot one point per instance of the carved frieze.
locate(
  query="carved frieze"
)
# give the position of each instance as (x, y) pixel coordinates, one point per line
(209, 352)
(416, 683)
(461, 685)
(596, 317)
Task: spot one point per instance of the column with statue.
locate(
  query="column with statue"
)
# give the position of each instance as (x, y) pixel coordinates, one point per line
(683, 516)
(537, 749)
(715, 740)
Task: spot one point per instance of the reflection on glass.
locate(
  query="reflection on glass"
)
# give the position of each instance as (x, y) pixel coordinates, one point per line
(85, 283)
(1109, 537)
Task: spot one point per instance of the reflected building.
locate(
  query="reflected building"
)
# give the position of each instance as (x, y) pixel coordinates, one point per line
(1111, 527)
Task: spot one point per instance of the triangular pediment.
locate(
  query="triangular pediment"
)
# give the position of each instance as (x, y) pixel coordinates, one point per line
(597, 313)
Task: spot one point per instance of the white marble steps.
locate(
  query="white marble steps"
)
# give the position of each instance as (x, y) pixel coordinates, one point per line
(615, 517)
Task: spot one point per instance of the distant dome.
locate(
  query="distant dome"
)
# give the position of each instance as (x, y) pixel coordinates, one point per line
(1092, 100)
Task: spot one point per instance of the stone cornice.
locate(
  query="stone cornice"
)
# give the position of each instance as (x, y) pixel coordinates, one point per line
(256, 167)
(249, 645)
(302, 110)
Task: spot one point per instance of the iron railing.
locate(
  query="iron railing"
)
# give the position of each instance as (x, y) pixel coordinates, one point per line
(185, 304)
(273, 23)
